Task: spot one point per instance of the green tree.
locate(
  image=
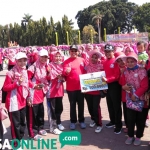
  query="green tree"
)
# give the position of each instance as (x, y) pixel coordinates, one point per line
(67, 26)
(88, 34)
(97, 18)
(116, 13)
(27, 18)
(141, 18)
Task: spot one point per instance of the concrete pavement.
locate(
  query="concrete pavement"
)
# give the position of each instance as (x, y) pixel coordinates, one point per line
(106, 140)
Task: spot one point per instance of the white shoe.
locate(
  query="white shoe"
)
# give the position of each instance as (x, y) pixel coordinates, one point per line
(61, 127)
(37, 137)
(43, 132)
(92, 124)
(98, 129)
(56, 131)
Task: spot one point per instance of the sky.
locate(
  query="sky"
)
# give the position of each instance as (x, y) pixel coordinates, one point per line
(13, 10)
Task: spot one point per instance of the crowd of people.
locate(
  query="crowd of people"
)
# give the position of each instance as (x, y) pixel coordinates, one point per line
(39, 72)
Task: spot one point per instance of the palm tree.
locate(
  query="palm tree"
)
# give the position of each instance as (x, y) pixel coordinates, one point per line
(97, 18)
(27, 18)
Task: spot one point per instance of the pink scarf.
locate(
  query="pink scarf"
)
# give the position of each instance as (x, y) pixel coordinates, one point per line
(40, 71)
(11, 54)
(94, 67)
(56, 68)
(16, 73)
(90, 68)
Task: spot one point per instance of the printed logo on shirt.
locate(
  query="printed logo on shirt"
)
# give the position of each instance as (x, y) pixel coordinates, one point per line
(112, 66)
(82, 64)
(135, 75)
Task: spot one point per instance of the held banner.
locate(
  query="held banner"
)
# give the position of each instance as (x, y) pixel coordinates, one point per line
(92, 82)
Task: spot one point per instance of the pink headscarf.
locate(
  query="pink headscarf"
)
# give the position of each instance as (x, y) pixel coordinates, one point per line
(41, 71)
(94, 67)
(129, 47)
(11, 54)
(16, 73)
(56, 68)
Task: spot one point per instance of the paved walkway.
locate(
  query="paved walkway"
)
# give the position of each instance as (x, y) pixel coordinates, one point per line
(106, 140)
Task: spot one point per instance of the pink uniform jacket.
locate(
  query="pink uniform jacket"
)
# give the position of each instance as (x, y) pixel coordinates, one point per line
(138, 79)
(16, 94)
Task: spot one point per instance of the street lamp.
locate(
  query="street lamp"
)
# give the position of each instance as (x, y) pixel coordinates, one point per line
(118, 30)
(79, 37)
(104, 34)
(67, 38)
(56, 36)
(91, 37)
(134, 28)
(8, 33)
(114, 34)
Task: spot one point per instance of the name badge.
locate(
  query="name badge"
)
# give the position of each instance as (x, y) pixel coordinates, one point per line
(112, 66)
(135, 75)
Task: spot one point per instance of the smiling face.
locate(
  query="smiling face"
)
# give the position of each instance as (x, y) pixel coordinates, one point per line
(131, 62)
(109, 54)
(43, 59)
(127, 51)
(58, 58)
(141, 47)
(21, 62)
(94, 59)
(121, 62)
(73, 52)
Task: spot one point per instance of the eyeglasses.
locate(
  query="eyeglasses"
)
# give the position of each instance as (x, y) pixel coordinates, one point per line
(108, 51)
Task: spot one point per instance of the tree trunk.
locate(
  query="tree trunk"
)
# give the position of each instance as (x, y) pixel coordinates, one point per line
(99, 32)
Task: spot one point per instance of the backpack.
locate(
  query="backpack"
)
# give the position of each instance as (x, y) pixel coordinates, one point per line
(4, 95)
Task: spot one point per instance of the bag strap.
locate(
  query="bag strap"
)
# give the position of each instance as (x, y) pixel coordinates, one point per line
(34, 72)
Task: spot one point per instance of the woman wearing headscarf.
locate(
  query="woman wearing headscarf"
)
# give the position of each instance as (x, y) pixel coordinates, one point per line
(37, 73)
(16, 85)
(56, 93)
(93, 98)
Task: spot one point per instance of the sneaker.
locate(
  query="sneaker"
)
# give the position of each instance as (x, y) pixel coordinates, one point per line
(117, 130)
(37, 137)
(92, 124)
(72, 126)
(137, 141)
(82, 125)
(61, 127)
(129, 140)
(109, 125)
(43, 132)
(56, 131)
(98, 129)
